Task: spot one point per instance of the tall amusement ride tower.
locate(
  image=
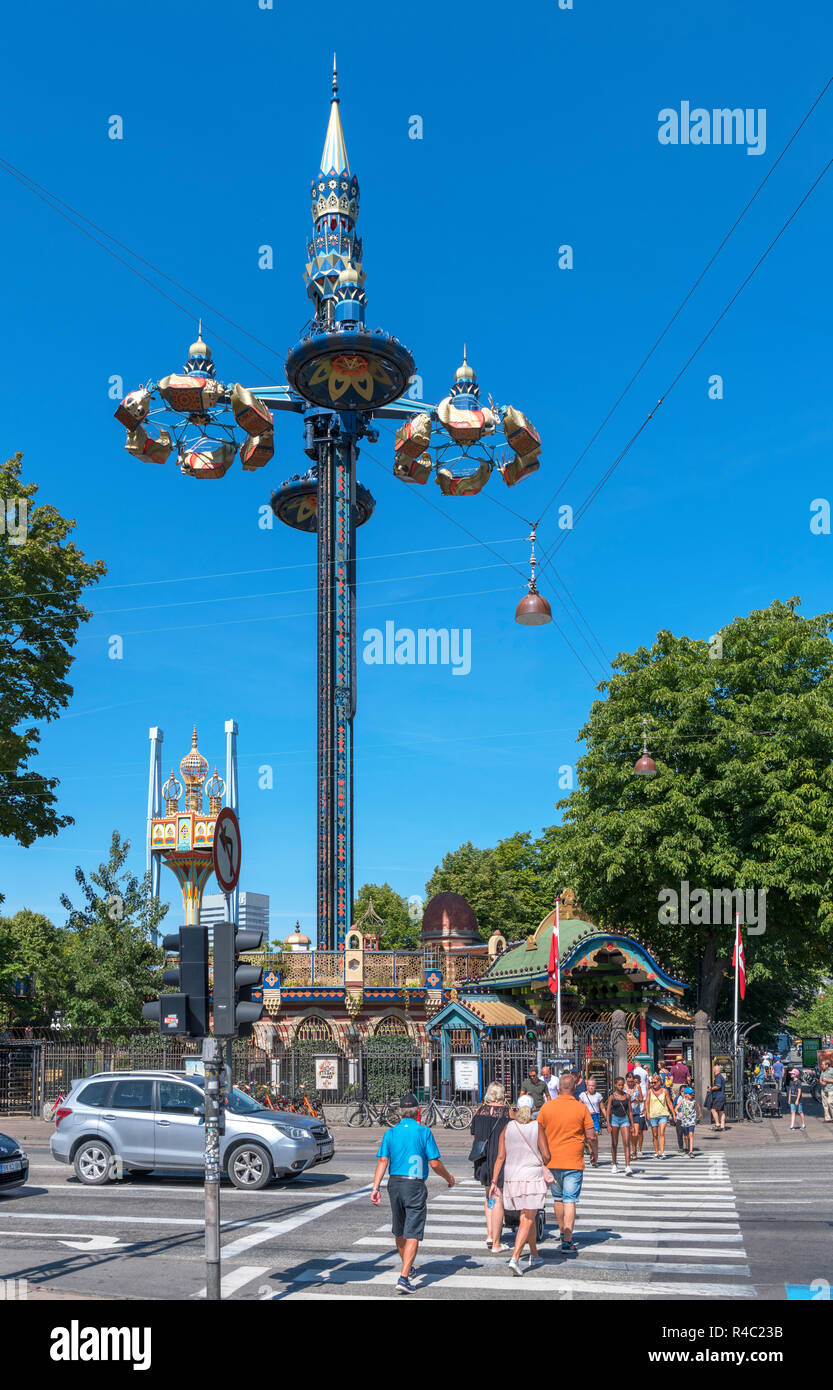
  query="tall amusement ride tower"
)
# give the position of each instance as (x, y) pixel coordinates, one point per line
(344, 372)
(340, 376)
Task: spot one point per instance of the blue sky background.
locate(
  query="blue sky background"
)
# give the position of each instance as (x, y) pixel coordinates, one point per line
(539, 130)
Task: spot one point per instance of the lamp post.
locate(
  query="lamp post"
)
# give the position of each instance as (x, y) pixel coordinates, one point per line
(341, 377)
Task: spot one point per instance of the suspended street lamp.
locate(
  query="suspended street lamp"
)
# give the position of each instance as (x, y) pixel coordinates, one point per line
(645, 765)
(533, 609)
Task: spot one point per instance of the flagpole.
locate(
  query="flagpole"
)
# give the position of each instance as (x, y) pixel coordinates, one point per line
(558, 976)
(737, 973)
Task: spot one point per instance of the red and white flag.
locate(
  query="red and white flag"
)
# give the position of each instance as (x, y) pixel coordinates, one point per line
(554, 982)
(738, 960)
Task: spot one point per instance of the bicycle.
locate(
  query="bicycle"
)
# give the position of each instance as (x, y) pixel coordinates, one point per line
(365, 1112)
(752, 1104)
(448, 1112)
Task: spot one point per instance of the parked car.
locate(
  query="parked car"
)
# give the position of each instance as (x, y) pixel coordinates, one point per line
(14, 1163)
(135, 1121)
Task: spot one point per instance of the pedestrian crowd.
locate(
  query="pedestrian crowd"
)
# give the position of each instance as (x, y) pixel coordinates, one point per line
(525, 1150)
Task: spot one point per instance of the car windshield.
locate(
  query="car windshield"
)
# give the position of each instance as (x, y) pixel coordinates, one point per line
(238, 1102)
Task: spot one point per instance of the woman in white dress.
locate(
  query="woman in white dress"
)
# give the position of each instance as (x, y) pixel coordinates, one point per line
(522, 1154)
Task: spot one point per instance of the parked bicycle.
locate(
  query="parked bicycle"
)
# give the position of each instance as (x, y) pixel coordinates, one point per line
(366, 1112)
(448, 1112)
(752, 1103)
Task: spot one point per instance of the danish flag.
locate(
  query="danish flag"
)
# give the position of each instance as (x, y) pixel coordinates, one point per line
(554, 982)
(738, 960)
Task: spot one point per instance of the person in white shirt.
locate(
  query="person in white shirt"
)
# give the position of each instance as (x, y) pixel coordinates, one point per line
(592, 1099)
(643, 1078)
(551, 1081)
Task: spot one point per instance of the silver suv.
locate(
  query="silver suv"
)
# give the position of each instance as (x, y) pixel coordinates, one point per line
(134, 1121)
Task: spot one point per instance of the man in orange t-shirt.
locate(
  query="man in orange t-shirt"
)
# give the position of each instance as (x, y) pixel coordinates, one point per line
(564, 1124)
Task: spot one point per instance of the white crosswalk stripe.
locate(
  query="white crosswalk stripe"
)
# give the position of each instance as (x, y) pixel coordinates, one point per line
(664, 1232)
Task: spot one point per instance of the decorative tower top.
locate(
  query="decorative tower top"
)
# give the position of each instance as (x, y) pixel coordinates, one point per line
(199, 357)
(215, 790)
(335, 209)
(334, 158)
(172, 791)
(194, 769)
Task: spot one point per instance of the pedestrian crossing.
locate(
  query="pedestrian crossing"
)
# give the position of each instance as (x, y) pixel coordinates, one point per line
(671, 1230)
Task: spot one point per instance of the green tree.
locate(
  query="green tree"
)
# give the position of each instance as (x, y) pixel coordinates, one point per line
(815, 1016)
(506, 885)
(400, 931)
(741, 730)
(112, 961)
(31, 950)
(42, 577)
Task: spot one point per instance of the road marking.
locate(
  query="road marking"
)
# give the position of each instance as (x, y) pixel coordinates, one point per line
(235, 1280)
(77, 1241)
(277, 1228)
(439, 1243)
(534, 1283)
(621, 1220)
(643, 1233)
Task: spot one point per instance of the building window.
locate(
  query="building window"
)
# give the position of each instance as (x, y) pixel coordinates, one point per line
(391, 1027)
(314, 1029)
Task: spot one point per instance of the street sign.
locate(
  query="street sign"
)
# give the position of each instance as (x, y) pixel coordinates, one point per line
(226, 849)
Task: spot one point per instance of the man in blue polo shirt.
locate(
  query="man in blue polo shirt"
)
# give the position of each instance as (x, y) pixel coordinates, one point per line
(410, 1149)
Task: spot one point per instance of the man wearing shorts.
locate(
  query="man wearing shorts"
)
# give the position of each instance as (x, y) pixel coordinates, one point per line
(567, 1124)
(410, 1149)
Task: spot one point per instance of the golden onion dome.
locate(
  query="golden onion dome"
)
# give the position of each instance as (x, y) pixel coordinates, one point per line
(296, 939)
(194, 767)
(199, 349)
(464, 372)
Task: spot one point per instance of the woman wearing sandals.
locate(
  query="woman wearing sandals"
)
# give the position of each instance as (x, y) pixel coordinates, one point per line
(522, 1153)
(794, 1095)
(658, 1112)
(619, 1116)
(490, 1120)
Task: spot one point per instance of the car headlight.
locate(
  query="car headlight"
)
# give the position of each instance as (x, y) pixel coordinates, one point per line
(292, 1132)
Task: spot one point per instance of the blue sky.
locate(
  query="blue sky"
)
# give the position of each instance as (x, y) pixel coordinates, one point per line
(536, 134)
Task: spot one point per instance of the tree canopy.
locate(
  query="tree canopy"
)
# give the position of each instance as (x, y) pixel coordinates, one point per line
(42, 576)
(400, 931)
(510, 887)
(112, 962)
(741, 730)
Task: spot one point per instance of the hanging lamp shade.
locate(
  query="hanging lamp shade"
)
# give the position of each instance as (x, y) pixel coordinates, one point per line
(645, 765)
(533, 609)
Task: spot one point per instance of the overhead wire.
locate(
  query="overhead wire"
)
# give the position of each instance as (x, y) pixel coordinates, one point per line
(591, 496)
(687, 297)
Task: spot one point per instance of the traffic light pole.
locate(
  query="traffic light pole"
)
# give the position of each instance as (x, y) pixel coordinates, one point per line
(212, 1060)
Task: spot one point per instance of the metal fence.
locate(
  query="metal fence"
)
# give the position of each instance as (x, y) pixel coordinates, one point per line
(34, 1073)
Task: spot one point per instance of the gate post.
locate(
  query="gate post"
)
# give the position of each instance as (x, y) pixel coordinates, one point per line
(702, 1060)
(619, 1043)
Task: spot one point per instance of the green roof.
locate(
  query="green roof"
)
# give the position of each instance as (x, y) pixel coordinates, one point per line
(520, 961)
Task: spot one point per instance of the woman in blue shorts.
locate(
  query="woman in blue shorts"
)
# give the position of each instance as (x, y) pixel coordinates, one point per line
(619, 1116)
(794, 1095)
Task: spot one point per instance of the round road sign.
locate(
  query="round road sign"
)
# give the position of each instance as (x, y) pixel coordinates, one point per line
(227, 849)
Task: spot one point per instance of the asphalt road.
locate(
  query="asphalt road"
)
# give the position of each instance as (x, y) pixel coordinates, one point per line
(732, 1224)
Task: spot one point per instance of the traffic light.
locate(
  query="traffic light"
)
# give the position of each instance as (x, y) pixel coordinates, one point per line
(234, 1009)
(531, 1028)
(184, 1011)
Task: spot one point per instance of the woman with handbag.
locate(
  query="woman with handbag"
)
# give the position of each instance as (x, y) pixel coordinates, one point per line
(489, 1122)
(522, 1153)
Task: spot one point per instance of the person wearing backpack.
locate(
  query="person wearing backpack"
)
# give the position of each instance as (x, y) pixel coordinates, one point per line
(488, 1124)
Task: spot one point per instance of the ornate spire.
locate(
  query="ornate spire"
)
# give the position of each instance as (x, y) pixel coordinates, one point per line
(334, 245)
(334, 159)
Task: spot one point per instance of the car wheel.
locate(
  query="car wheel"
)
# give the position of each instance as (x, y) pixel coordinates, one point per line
(93, 1163)
(249, 1167)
